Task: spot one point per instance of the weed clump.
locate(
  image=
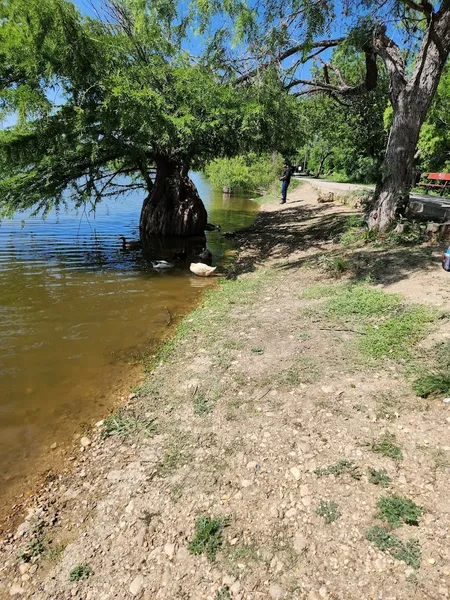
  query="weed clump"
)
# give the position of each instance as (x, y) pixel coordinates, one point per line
(202, 406)
(208, 536)
(80, 573)
(328, 510)
(128, 424)
(432, 384)
(408, 552)
(386, 446)
(397, 510)
(339, 468)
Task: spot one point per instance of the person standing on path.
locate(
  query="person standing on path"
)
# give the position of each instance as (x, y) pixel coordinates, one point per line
(286, 180)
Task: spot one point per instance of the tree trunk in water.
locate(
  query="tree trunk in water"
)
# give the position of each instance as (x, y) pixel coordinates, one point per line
(397, 170)
(173, 207)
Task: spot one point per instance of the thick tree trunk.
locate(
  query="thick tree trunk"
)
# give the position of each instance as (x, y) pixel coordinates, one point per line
(397, 170)
(173, 207)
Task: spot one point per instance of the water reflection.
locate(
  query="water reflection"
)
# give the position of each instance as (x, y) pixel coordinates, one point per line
(74, 307)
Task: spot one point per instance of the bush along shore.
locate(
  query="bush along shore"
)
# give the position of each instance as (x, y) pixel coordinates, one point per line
(291, 441)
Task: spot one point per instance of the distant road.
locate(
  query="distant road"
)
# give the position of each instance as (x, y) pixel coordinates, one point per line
(443, 202)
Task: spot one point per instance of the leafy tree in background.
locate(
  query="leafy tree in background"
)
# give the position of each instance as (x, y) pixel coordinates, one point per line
(130, 100)
(346, 136)
(410, 37)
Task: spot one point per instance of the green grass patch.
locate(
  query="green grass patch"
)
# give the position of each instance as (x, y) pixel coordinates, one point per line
(432, 384)
(339, 468)
(80, 573)
(328, 510)
(335, 266)
(208, 536)
(379, 477)
(202, 406)
(304, 370)
(126, 424)
(386, 446)
(408, 552)
(393, 337)
(362, 300)
(321, 290)
(397, 510)
(257, 350)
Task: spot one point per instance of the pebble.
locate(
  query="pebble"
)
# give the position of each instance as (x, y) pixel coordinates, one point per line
(16, 590)
(136, 585)
(296, 473)
(313, 596)
(23, 568)
(276, 592)
(300, 542)
(53, 446)
(291, 513)
(402, 479)
(169, 550)
(245, 483)
(235, 588)
(304, 490)
(432, 561)
(85, 442)
(252, 465)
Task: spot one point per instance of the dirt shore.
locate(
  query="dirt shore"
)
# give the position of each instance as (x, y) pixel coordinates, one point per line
(278, 449)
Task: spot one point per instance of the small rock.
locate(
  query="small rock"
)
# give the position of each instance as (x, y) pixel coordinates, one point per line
(16, 590)
(132, 396)
(53, 446)
(23, 568)
(304, 490)
(100, 423)
(306, 501)
(296, 473)
(323, 592)
(313, 596)
(276, 592)
(130, 507)
(235, 588)
(33, 569)
(327, 389)
(23, 529)
(432, 561)
(252, 465)
(291, 513)
(402, 479)
(169, 550)
(300, 543)
(85, 442)
(228, 580)
(136, 585)
(245, 483)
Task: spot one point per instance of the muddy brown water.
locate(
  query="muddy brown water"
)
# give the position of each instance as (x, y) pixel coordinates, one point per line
(74, 312)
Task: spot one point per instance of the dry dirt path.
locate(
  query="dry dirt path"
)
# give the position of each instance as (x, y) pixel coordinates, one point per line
(264, 416)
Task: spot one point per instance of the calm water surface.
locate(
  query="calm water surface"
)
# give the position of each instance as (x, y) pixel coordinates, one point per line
(74, 309)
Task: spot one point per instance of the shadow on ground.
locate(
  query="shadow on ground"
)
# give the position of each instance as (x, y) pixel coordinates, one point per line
(307, 236)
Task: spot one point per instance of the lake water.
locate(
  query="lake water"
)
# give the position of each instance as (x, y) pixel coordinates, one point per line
(74, 311)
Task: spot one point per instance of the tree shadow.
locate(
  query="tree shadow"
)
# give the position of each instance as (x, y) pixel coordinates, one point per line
(281, 235)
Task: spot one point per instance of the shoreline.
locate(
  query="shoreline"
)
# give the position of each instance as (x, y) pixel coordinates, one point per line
(253, 394)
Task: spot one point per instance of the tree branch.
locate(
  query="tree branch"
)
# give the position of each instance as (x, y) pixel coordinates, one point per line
(322, 44)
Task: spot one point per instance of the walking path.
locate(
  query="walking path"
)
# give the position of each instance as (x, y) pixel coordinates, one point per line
(250, 464)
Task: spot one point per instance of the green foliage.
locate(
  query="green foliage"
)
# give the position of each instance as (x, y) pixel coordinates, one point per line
(341, 467)
(379, 477)
(223, 594)
(328, 510)
(202, 406)
(432, 384)
(80, 573)
(408, 552)
(333, 265)
(397, 510)
(125, 423)
(245, 173)
(386, 446)
(208, 536)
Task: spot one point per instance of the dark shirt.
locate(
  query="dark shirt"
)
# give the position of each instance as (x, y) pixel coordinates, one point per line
(287, 175)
